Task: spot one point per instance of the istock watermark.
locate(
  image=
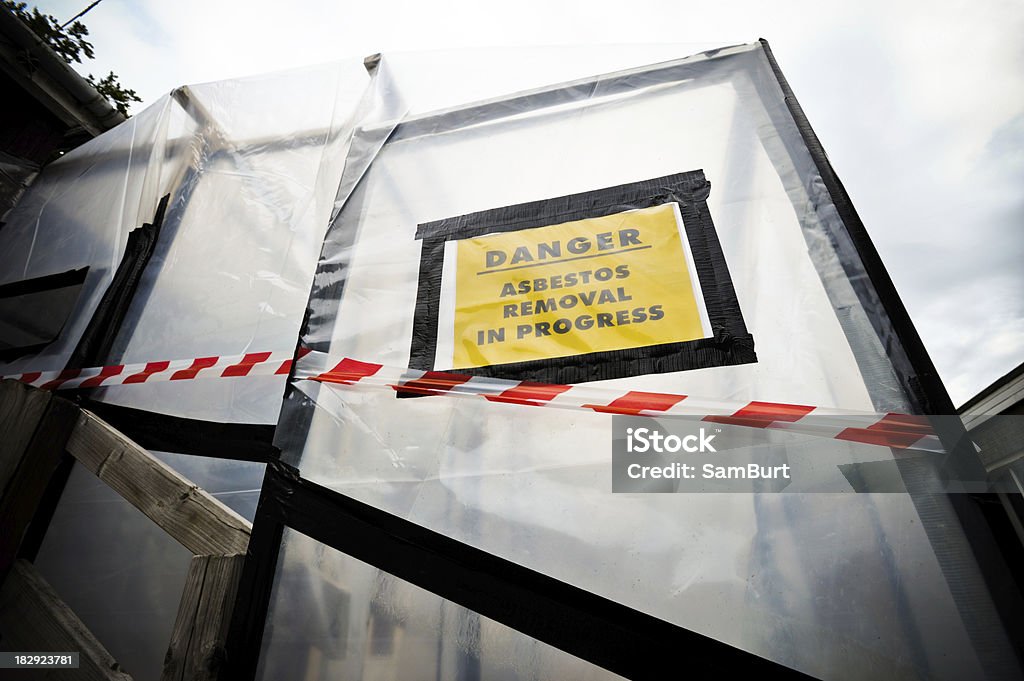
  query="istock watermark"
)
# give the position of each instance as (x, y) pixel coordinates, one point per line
(642, 440)
(834, 453)
(651, 455)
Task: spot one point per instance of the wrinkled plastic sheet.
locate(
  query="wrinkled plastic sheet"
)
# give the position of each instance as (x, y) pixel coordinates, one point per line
(252, 168)
(332, 616)
(842, 586)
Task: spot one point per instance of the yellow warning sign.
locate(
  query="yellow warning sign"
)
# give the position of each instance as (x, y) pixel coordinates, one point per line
(609, 283)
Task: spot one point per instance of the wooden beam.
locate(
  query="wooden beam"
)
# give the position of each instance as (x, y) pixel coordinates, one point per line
(33, 618)
(197, 520)
(21, 407)
(196, 651)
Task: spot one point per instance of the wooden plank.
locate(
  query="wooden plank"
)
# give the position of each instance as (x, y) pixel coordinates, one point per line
(21, 408)
(201, 523)
(196, 650)
(33, 618)
(43, 455)
(184, 624)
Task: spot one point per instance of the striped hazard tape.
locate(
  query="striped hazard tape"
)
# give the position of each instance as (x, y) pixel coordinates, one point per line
(219, 366)
(900, 431)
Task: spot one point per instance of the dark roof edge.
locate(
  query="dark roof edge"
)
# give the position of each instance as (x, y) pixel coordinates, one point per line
(1001, 383)
(30, 61)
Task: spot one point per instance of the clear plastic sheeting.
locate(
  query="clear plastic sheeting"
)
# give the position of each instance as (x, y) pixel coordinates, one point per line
(294, 204)
(236, 484)
(80, 210)
(844, 586)
(120, 573)
(232, 269)
(840, 586)
(252, 168)
(335, 617)
(570, 139)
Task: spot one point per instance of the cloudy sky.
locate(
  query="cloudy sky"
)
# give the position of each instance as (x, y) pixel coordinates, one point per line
(920, 106)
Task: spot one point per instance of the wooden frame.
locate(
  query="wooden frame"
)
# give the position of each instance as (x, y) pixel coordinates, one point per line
(188, 513)
(38, 428)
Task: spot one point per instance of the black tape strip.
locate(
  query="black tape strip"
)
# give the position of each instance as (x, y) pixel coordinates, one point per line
(923, 383)
(26, 324)
(920, 380)
(428, 301)
(166, 433)
(588, 626)
(252, 600)
(731, 343)
(686, 188)
(722, 350)
(27, 490)
(47, 283)
(94, 346)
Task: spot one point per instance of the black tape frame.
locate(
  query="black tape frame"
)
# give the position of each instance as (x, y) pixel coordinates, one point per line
(730, 344)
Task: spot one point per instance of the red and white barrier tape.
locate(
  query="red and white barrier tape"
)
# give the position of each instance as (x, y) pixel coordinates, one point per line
(220, 366)
(900, 431)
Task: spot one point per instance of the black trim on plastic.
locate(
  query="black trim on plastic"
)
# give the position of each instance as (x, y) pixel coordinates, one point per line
(166, 433)
(42, 467)
(50, 282)
(94, 346)
(920, 380)
(731, 343)
(590, 627)
(252, 600)
(927, 387)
